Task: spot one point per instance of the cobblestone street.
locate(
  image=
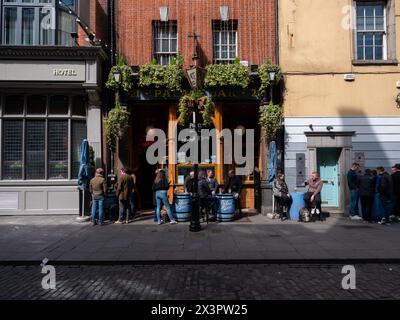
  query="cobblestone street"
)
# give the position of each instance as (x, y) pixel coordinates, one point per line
(212, 281)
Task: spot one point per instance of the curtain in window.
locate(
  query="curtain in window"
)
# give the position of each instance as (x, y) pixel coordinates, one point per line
(35, 149)
(28, 19)
(12, 149)
(58, 149)
(10, 25)
(66, 27)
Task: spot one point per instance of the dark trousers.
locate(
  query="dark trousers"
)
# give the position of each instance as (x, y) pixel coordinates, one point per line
(283, 202)
(366, 207)
(387, 206)
(123, 209)
(316, 203)
(396, 205)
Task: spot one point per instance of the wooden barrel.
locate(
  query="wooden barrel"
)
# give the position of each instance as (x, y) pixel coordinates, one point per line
(182, 207)
(226, 207)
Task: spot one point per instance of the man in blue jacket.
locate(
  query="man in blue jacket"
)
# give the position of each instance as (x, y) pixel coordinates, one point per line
(352, 182)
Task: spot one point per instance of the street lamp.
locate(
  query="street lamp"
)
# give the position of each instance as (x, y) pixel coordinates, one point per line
(271, 76)
(117, 76)
(193, 75)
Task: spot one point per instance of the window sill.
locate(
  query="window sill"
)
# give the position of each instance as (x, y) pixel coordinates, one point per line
(392, 62)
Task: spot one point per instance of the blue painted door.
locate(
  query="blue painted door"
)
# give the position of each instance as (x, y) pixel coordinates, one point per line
(328, 168)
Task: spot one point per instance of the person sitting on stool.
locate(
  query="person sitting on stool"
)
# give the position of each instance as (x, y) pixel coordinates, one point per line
(234, 186)
(312, 197)
(281, 194)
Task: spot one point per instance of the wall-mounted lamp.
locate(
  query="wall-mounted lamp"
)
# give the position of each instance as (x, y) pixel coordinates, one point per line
(311, 127)
(398, 100)
(271, 76)
(117, 76)
(164, 14)
(329, 128)
(224, 12)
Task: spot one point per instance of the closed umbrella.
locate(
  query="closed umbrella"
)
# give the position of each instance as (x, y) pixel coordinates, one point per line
(85, 171)
(272, 162)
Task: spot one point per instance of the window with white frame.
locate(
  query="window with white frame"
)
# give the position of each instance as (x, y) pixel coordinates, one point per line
(35, 22)
(41, 136)
(165, 41)
(371, 36)
(224, 41)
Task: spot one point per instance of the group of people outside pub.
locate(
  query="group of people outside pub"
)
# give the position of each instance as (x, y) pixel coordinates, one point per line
(126, 193)
(374, 194)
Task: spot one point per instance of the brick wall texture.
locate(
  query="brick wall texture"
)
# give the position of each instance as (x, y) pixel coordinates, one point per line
(256, 27)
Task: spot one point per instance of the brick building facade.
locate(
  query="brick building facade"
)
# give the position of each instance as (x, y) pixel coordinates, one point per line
(225, 30)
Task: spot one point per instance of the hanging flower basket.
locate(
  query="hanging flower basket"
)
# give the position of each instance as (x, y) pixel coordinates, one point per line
(186, 104)
(125, 82)
(270, 119)
(116, 124)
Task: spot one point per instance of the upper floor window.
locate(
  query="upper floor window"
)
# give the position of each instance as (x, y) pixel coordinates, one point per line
(37, 22)
(165, 41)
(371, 30)
(224, 41)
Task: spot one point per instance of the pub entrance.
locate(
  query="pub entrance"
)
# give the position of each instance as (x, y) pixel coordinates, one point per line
(145, 118)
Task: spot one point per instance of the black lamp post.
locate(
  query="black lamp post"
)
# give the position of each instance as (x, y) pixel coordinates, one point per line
(193, 76)
(117, 78)
(266, 191)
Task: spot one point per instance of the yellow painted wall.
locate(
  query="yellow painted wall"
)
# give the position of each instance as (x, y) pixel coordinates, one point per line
(315, 53)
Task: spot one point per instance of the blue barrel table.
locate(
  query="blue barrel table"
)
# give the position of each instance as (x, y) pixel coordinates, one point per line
(297, 205)
(182, 207)
(226, 207)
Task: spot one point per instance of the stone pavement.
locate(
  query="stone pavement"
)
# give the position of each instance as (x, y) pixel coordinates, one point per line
(62, 239)
(202, 282)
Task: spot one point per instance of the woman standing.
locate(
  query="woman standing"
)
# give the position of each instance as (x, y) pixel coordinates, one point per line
(281, 193)
(160, 187)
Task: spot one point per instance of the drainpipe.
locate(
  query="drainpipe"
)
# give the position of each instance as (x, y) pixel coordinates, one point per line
(277, 32)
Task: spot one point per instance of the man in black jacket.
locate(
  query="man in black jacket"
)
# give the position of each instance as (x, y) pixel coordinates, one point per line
(204, 192)
(366, 190)
(385, 190)
(396, 189)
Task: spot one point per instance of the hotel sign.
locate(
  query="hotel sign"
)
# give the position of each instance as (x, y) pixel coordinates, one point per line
(19, 70)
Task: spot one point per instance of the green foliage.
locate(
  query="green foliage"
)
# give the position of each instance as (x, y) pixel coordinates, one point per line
(270, 119)
(221, 75)
(263, 71)
(168, 77)
(206, 107)
(126, 77)
(116, 124)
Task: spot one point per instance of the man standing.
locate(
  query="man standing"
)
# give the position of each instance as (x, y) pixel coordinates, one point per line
(124, 192)
(366, 192)
(352, 182)
(396, 189)
(213, 185)
(385, 189)
(189, 180)
(98, 189)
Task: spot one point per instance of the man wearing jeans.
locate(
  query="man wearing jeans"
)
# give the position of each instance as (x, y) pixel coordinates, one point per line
(124, 192)
(352, 182)
(98, 189)
(385, 189)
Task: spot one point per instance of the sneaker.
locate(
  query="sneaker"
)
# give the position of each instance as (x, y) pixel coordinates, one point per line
(118, 222)
(160, 222)
(173, 222)
(313, 211)
(317, 211)
(355, 217)
(383, 221)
